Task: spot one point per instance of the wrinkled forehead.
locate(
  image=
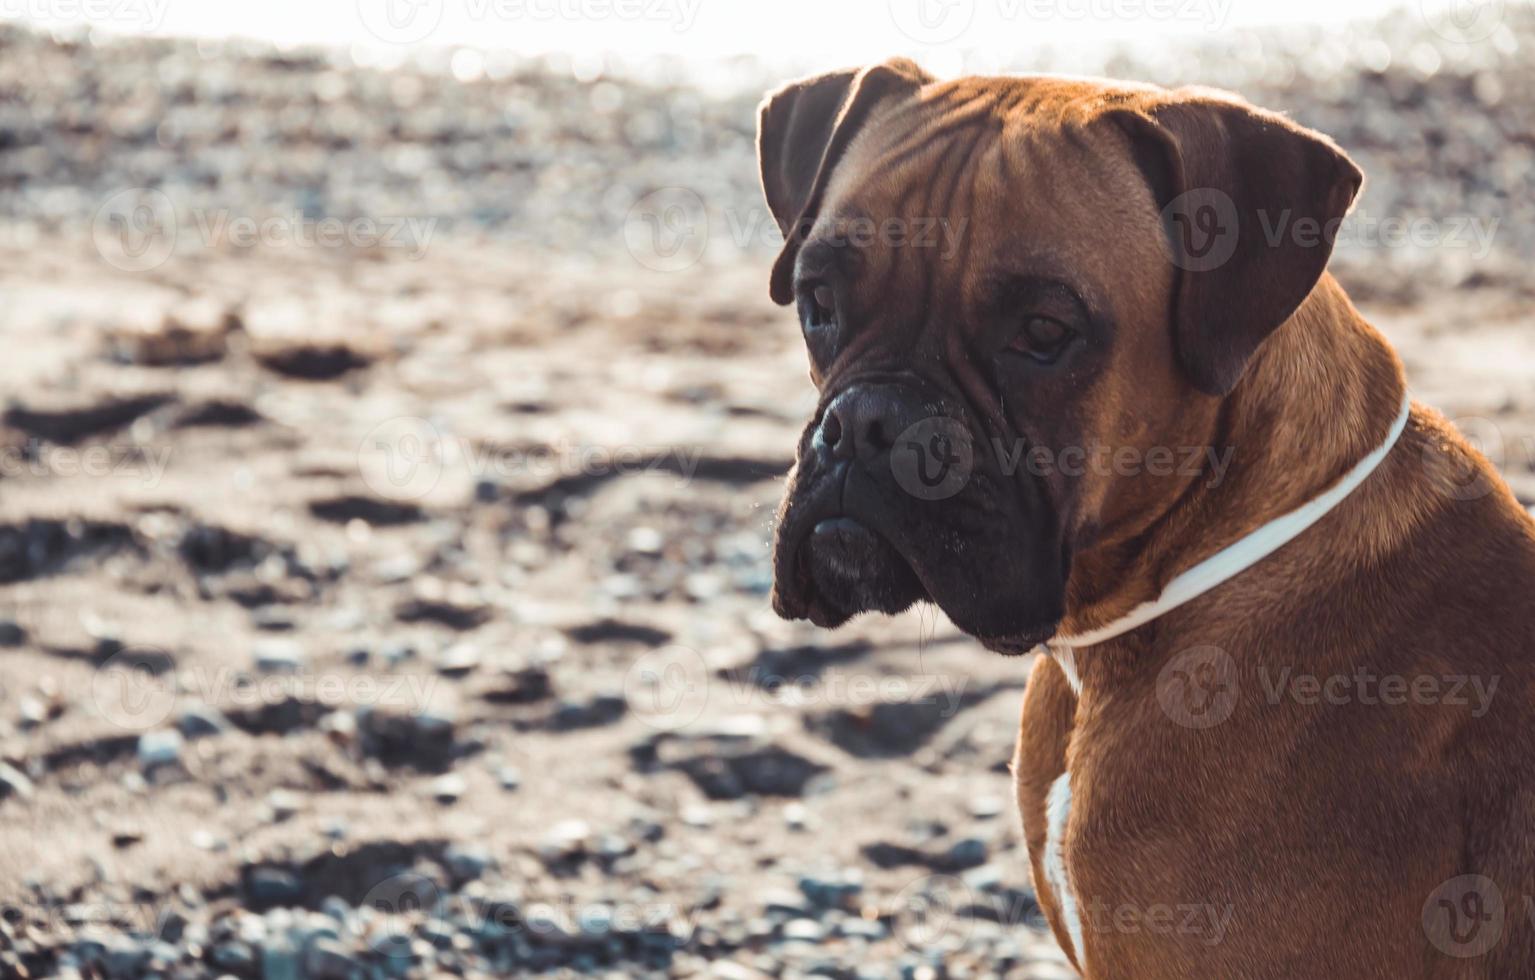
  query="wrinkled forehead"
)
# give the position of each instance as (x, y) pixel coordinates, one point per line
(990, 182)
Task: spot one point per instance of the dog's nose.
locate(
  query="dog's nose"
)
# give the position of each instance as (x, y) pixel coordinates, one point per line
(862, 423)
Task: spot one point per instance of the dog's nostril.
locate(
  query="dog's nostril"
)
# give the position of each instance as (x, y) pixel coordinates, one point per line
(876, 437)
(831, 429)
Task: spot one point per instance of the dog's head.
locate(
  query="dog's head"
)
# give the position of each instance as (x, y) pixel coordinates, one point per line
(1018, 294)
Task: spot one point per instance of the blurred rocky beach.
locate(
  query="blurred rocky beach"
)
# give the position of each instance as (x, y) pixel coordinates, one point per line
(387, 467)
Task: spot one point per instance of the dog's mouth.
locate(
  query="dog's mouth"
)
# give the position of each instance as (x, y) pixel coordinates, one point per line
(830, 565)
(850, 540)
(849, 569)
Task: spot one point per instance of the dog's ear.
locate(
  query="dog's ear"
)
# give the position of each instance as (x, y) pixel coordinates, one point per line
(802, 130)
(1251, 203)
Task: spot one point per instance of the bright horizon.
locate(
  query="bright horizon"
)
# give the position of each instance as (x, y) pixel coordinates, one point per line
(808, 32)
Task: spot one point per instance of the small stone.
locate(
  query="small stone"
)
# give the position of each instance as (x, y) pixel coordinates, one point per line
(235, 957)
(159, 748)
(459, 660)
(279, 656)
(645, 540)
(832, 892)
(12, 633)
(986, 807)
(604, 709)
(267, 887)
(509, 778)
(284, 804)
(448, 788)
(201, 721)
(564, 839)
(272, 619)
(14, 782)
(398, 653)
(803, 931)
(967, 853)
(31, 712)
(467, 863)
(327, 959)
(986, 878)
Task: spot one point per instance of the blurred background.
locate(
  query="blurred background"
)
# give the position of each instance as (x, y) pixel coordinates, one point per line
(394, 415)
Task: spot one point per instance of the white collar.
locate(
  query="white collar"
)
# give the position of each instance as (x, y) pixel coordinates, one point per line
(1230, 561)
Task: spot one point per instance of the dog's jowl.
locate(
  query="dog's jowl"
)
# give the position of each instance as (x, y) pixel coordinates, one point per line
(1083, 390)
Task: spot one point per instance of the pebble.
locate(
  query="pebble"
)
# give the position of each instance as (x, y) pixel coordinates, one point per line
(967, 853)
(328, 959)
(458, 660)
(986, 806)
(803, 931)
(201, 721)
(448, 788)
(159, 748)
(564, 839)
(267, 886)
(278, 656)
(284, 804)
(12, 634)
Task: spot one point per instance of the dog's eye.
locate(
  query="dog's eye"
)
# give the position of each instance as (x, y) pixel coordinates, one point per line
(824, 299)
(1041, 338)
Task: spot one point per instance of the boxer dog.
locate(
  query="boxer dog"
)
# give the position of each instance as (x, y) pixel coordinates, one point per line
(1285, 726)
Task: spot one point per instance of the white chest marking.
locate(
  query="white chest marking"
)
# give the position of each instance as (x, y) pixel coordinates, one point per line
(1057, 810)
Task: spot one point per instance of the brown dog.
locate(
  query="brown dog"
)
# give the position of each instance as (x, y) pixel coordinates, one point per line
(1323, 765)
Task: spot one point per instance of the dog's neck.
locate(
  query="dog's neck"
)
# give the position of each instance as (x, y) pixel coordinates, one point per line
(1319, 396)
